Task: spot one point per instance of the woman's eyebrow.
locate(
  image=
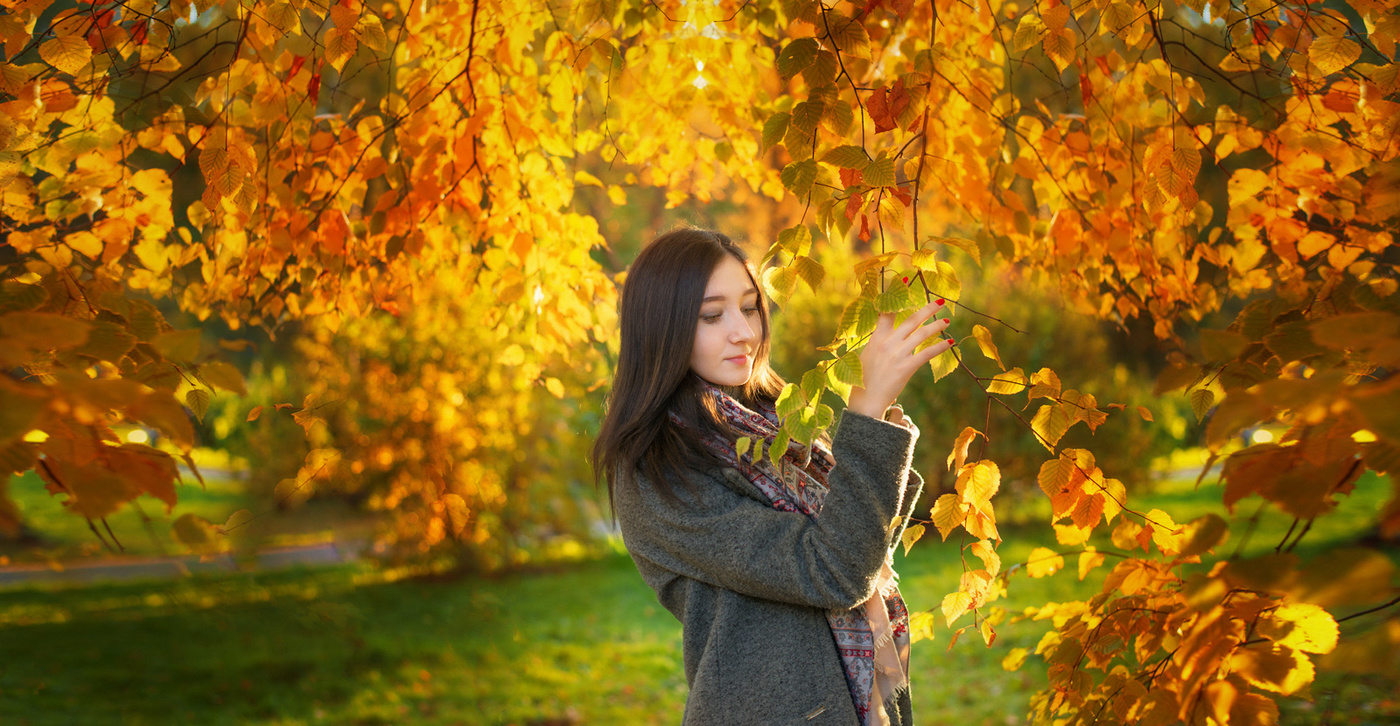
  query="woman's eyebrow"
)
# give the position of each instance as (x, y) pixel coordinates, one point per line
(717, 298)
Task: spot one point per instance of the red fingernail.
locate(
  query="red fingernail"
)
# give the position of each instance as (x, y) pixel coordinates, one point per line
(952, 342)
(940, 301)
(906, 281)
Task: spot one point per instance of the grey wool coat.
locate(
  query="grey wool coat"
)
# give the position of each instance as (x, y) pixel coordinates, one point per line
(751, 584)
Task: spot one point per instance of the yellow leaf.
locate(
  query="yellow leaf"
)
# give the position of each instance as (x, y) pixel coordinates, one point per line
(340, 45)
(85, 243)
(1012, 381)
(910, 536)
(958, 456)
(1332, 53)
(68, 53)
(1278, 669)
(948, 512)
(1166, 534)
(371, 32)
(1088, 560)
(921, 626)
(1050, 423)
(954, 605)
(985, 344)
(1045, 383)
(1059, 46)
(984, 551)
(283, 16)
(1014, 659)
(1301, 626)
(555, 387)
(1043, 562)
(977, 484)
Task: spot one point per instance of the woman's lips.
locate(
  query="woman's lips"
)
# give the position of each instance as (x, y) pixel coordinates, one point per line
(738, 360)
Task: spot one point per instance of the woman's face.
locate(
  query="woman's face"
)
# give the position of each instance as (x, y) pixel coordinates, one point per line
(729, 328)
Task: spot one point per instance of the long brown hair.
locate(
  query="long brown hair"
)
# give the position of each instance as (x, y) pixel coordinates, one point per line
(659, 312)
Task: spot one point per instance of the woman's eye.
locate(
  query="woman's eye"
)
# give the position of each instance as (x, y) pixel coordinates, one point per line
(750, 311)
(711, 318)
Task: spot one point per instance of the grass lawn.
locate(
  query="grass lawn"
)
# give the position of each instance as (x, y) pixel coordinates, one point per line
(580, 644)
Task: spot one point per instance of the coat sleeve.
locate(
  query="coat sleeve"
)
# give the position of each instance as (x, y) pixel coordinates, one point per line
(724, 538)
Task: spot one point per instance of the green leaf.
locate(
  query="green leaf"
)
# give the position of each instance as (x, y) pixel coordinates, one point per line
(789, 401)
(847, 157)
(879, 172)
(774, 129)
(796, 56)
(802, 427)
(756, 455)
(806, 115)
(839, 115)
(779, 283)
(895, 298)
(799, 176)
(857, 319)
(797, 241)
(847, 369)
(779, 447)
(943, 281)
(812, 384)
(822, 73)
(810, 271)
(741, 446)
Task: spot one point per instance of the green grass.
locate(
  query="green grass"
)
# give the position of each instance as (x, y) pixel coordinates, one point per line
(583, 643)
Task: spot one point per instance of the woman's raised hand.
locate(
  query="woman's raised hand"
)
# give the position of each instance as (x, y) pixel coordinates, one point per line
(889, 359)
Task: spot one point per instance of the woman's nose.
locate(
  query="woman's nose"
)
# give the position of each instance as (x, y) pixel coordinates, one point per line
(742, 332)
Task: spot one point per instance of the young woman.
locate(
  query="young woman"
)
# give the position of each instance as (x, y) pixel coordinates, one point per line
(780, 576)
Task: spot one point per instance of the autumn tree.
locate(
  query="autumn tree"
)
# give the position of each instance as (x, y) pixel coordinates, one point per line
(273, 161)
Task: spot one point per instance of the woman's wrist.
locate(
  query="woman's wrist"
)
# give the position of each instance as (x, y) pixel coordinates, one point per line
(862, 403)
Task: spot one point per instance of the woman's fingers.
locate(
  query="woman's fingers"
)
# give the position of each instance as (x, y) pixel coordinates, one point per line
(917, 319)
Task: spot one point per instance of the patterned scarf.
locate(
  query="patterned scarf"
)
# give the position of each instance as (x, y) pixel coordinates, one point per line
(872, 638)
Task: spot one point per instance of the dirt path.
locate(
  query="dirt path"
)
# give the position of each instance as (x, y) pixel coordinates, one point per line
(156, 568)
